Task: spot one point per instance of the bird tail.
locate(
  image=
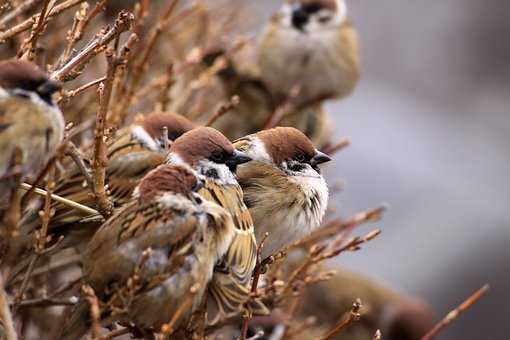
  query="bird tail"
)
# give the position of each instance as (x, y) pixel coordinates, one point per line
(78, 323)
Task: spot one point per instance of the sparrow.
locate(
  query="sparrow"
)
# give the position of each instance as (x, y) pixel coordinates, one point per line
(31, 124)
(156, 254)
(209, 153)
(257, 104)
(132, 153)
(310, 45)
(397, 315)
(283, 186)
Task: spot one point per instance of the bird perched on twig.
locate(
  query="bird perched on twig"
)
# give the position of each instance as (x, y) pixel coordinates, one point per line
(311, 45)
(283, 186)
(210, 154)
(156, 254)
(31, 125)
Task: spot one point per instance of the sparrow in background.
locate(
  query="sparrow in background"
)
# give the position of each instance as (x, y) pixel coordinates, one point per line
(186, 236)
(283, 187)
(398, 316)
(210, 154)
(30, 122)
(311, 45)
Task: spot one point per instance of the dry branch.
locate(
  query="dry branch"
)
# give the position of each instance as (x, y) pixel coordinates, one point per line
(456, 312)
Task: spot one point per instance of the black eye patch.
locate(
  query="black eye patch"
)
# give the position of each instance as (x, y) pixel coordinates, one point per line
(312, 8)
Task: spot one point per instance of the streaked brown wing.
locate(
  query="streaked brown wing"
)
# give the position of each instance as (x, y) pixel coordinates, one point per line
(229, 287)
(116, 248)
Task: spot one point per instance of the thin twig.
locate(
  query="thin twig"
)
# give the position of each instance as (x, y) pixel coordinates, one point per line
(16, 12)
(332, 149)
(224, 108)
(65, 201)
(48, 302)
(281, 110)
(74, 153)
(95, 312)
(27, 24)
(354, 315)
(169, 328)
(30, 44)
(5, 314)
(122, 24)
(456, 312)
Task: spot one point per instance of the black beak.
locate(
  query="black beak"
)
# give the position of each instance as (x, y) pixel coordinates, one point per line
(200, 183)
(319, 158)
(237, 158)
(49, 87)
(299, 18)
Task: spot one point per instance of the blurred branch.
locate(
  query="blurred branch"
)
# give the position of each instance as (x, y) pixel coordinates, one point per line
(224, 108)
(354, 315)
(5, 314)
(456, 312)
(27, 24)
(16, 12)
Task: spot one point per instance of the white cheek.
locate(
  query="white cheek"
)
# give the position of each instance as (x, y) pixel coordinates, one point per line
(257, 151)
(140, 134)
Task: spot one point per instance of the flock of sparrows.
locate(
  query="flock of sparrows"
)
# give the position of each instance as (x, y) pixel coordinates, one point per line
(190, 206)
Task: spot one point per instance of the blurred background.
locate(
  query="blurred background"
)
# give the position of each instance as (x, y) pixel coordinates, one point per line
(429, 125)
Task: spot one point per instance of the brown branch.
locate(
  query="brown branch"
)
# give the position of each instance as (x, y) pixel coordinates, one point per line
(332, 149)
(74, 154)
(95, 312)
(71, 93)
(114, 334)
(27, 24)
(281, 110)
(354, 315)
(456, 312)
(29, 45)
(122, 24)
(47, 302)
(16, 12)
(224, 108)
(5, 314)
(140, 67)
(168, 328)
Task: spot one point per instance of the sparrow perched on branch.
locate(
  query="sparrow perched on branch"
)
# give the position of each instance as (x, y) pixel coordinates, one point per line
(283, 186)
(156, 254)
(210, 154)
(133, 152)
(312, 46)
(31, 125)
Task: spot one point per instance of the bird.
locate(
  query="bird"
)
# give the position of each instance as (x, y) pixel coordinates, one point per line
(155, 255)
(132, 153)
(31, 124)
(210, 154)
(283, 187)
(312, 46)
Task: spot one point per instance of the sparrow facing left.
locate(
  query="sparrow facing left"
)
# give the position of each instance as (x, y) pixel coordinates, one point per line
(30, 122)
(312, 45)
(283, 187)
(186, 235)
(210, 154)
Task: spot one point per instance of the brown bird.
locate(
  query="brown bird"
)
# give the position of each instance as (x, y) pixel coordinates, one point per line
(133, 152)
(398, 316)
(311, 45)
(186, 236)
(30, 122)
(283, 187)
(207, 152)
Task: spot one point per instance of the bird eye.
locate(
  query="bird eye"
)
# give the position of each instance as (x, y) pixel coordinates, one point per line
(300, 158)
(217, 157)
(324, 19)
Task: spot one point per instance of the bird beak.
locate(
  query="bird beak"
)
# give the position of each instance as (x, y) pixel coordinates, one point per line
(199, 184)
(237, 158)
(319, 158)
(49, 87)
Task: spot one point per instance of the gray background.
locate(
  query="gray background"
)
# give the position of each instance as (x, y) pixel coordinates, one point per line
(429, 125)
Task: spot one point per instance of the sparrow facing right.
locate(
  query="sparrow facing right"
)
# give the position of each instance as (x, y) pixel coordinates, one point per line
(210, 154)
(30, 122)
(186, 236)
(283, 187)
(312, 45)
